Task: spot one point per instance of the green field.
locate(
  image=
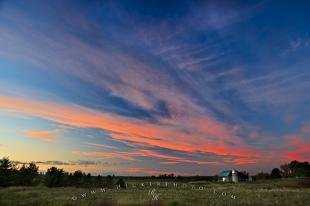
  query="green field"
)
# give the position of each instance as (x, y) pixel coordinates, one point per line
(269, 192)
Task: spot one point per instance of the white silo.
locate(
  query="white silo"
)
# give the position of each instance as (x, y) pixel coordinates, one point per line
(234, 175)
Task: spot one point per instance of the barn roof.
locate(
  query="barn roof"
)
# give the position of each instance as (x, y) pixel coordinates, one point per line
(225, 173)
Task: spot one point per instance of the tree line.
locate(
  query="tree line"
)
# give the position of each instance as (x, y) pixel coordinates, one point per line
(292, 169)
(28, 175)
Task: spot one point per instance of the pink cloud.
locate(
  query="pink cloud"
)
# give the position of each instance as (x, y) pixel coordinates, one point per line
(298, 148)
(133, 155)
(211, 134)
(147, 171)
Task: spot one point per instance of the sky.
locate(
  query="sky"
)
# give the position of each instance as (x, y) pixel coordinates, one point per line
(150, 87)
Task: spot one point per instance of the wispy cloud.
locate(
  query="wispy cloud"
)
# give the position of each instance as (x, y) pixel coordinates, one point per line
(147, 171)
(100, 145)
(214, 137)
(133, 155)
(48, 136)
(181, 88)
(273, 89)
(297, 44)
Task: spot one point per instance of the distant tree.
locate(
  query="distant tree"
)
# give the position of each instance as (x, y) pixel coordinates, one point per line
(77, 178)
(262, 176)
(121, 183)
(99, 178)
(78, 174)
(245, 173)
(162, 176)
(28, 175)
(88, 180)
(109, 181)
(70, 181)
(171, 175)
(275, 173)
(299, 169)
(99, 181)
(33, 169)
(166, 176)
(5, 164)
(8, 172)
(285, 170)
(88, 176)
(54, 177)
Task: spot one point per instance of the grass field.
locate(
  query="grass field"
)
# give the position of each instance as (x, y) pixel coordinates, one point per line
(272, 192)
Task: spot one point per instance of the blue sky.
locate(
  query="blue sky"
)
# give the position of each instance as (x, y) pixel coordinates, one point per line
(147, 87)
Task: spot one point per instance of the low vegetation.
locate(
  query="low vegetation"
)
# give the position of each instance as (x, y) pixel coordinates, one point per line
(289, 185)
(284, 192)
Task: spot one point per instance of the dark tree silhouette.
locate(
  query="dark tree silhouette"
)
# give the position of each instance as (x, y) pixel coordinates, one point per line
(99, 178)
(121, 183)
(29, 175)
(285, 170)
(299, 169)
(167, 176)
(262, 176)
(275, 173)
(5, 164)
(8, 172)
(77, 178)
(88, 180)
(109, 181)
(54, 177)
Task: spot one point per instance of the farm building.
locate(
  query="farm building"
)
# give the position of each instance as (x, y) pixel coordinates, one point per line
(233, 176)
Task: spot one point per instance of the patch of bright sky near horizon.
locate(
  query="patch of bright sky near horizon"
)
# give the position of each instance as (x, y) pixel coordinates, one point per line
(148, 87)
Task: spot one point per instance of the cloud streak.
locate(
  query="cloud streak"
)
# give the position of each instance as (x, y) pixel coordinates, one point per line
(48, 136)
(212, 135)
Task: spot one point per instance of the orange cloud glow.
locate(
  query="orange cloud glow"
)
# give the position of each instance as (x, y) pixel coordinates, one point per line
(211, 135)
(132, 155)
(146, 171)
(48, 136)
